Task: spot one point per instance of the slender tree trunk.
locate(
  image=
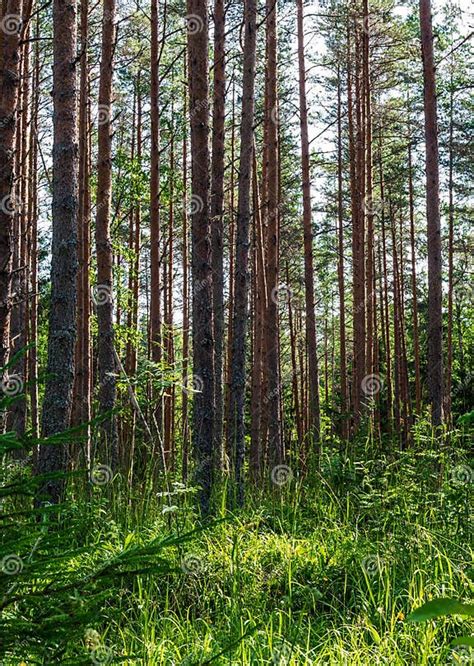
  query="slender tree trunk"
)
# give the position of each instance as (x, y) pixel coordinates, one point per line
(184, 393)
(294, 373)
(229, 453)
(340, 268)
(260, 307)
(62, 315)
(405, 389)
(386, 321)
(155, 287)
(19, 315)
(314, 415)
(10, 85)
(435, 324)
(82, 397)
(217, 212)
(169, 397)
(369, 208)
(356, 379)
(397, 347)
(33, 354)
(129, 443)
(104, 288)
(242, 276)
(130, 354)
(449, 360)
(271, 191)
(203, 347)
(416, 340)
(359, 304)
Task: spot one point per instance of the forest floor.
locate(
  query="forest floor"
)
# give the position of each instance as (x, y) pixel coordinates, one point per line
(320, 570)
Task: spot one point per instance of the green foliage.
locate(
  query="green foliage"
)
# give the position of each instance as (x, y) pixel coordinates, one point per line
(66, 571)
(439, 608)
(321, 570)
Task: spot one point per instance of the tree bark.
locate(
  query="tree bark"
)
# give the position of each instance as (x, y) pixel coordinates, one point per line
(104, 288)
(314, 415)
(82, 393)
(272, 218)
(155, 287)
(340, 268)
(260, 305)
(416, 337)
(449, 359)
(185, 254)
(10, 85)
(217, 211)
(62, 316)
(242, 276)
(435, 326)
(202, 328)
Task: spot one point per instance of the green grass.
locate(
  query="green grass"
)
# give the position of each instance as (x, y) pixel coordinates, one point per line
(323, 570)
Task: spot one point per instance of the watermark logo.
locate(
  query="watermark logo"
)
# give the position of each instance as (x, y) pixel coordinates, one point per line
(11, 24)
(11, 565)
(372, 565)
(7, 205)
(281, 475)
(462, 475)
(193, 23)
(193, 384)
(373, 206)
(192, 564)
(102, 294)
(282, 293)
(103, 114)
(101, 655)
(275, 116)
(11, 385)
(100, 475)
(371, 385)
(195, 204)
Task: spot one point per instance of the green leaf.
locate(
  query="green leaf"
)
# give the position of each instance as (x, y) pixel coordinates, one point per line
(440, 607)
(463, 640)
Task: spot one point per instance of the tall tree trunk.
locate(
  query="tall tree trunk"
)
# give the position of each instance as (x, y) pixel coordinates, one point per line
(82, 397)
(229, 453)
(416, 339)
(217, 211)
(369, 208)
(203, 348)
(242, 277)
(185, 253)
(294, 373)
(340, 267)
(359, 304)
(169, 396)
(314, 416)
(449, 360)
(356, 379)
(155, 287)
(62, 315)
(435, 324)
(19, 315)
(272, 217)
(10, 84)
(260, 305)
(33, 353)
(129, 442)
(386, 320)
(104, 301)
